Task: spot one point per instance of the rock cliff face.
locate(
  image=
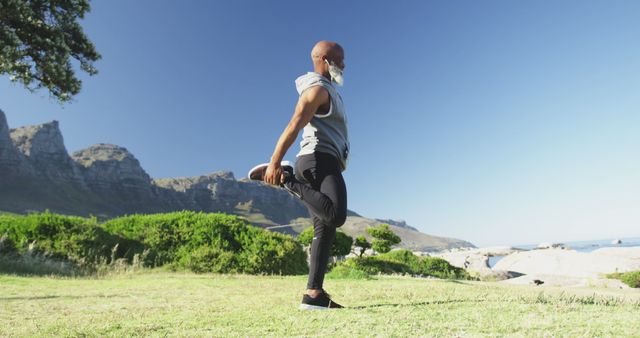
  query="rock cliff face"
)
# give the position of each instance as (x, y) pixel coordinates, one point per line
(222, 192)
(106, 180)
(398, 223)
(114, 174)
(12, 163)
(43, 148)
(110, 169)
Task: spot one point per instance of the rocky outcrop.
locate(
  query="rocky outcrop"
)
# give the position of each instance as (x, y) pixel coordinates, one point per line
(106, 167)
(12, 163)
(43, 148)
(222, 192)
(470, 260)
(398, 223)
(569, 267)
(477, 260)
(114, 174)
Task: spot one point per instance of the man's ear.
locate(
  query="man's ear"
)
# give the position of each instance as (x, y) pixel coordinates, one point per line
(326, 62)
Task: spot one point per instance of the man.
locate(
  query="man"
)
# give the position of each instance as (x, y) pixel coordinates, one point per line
(317, 179)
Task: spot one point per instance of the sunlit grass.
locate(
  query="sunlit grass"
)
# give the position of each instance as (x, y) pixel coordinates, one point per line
(161, 303)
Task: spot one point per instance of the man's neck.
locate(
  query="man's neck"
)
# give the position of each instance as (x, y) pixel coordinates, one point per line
(326, 75)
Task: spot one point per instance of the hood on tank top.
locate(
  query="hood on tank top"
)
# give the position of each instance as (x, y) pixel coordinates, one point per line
(310, 79)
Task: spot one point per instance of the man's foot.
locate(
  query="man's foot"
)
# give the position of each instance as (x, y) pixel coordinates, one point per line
(257, 173)
(320, 302)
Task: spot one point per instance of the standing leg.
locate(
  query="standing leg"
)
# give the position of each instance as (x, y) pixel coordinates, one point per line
(318, 182)
(323, 237)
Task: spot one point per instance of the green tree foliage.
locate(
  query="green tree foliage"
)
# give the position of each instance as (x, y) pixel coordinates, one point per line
(38, 39)
(341, 245)
(306, 236)
(362, 244)
(384, 238)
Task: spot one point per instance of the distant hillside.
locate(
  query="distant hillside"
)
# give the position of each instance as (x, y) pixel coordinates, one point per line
(106, 181)
(412, 239)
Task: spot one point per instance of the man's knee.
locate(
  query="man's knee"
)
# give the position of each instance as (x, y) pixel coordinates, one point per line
(337, 220)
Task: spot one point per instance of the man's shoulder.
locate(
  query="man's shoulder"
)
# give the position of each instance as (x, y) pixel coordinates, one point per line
(316, 93)
(311, 79)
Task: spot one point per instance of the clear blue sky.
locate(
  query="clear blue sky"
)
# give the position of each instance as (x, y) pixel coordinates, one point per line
(498, 122)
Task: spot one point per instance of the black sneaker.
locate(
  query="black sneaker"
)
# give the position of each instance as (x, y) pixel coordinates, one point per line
(257, 173)
(321, 302)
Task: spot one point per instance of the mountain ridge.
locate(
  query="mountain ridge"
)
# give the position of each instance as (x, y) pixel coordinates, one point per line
(106, 181)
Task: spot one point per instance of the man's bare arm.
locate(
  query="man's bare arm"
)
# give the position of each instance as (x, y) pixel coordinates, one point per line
(307, 106)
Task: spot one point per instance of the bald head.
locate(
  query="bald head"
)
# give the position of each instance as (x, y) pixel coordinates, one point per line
(328, 50)
(325, 53)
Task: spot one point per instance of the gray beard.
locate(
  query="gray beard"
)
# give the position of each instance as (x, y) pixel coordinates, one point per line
(336, 75)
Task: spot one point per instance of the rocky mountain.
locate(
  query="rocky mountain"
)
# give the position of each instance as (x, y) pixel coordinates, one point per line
(106, 180)
(398, 223)
(43, 148)
(12, 163)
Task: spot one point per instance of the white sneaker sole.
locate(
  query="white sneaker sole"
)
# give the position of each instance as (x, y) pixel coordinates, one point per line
(312, 307)
(282, 164)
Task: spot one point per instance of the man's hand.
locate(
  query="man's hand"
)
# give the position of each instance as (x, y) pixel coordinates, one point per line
(274, 174)
(308, 103)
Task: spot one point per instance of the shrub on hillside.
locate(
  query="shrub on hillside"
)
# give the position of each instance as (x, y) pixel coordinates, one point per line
(405, 262)
(79, 240)
(7, 247)
(341, 244)
(344, 272)
(426, 266)
(438, 267)
(361, 245)
(373, 265)
(631, 278)
(205, 242)
(383, 238)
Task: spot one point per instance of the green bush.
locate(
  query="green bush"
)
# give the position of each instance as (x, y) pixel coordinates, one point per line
(77, 239)
(206, 242)
(7, 247)
(264, 251)
(631, 278)
(209, 259)
(438, 267)
(426, 266)
(345, 272)
(383, 238)
(202, 242)
(404, 262)
(341, 244)
(362, 244)
(374, 265)
(403, 256)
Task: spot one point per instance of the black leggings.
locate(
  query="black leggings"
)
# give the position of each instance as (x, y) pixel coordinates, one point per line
(319, 184)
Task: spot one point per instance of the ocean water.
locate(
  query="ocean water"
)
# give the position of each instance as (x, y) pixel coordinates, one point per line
(581, 246)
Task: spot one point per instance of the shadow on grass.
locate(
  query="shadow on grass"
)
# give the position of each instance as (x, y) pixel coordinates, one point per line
(456, 281)
(57, 296)
(434, 302)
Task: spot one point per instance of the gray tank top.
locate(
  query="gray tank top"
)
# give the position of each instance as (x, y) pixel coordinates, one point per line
(325, 133)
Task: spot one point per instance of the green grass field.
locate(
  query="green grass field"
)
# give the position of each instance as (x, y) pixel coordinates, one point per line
(156, 303)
